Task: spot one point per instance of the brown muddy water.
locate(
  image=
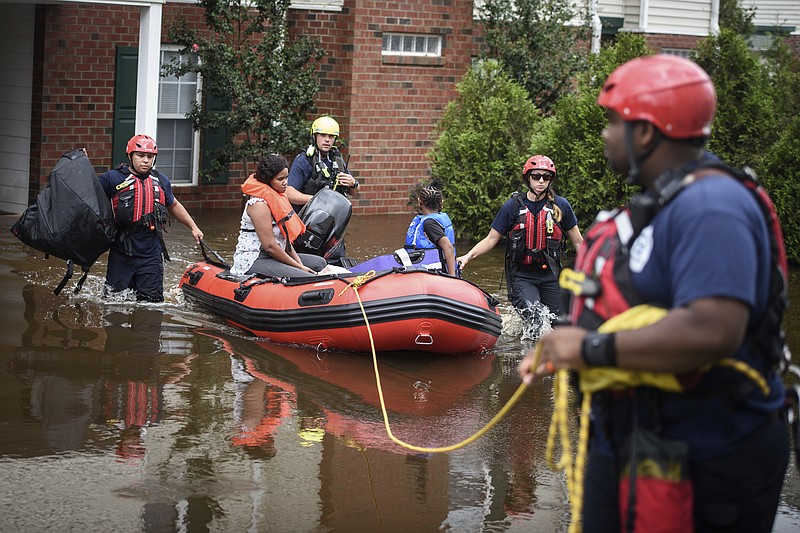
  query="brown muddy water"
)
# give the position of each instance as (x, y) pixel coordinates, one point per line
(117, 416)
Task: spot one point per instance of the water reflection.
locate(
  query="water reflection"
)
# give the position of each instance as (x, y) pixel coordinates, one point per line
(85, 385)
(342, 389)
(160, 418)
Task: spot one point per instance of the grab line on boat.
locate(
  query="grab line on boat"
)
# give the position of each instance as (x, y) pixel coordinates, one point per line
(358, 282)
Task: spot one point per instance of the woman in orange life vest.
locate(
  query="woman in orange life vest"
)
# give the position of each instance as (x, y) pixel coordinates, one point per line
(270, 225)
(534, 224)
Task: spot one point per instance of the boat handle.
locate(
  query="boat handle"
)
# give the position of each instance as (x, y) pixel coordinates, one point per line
(424, 339)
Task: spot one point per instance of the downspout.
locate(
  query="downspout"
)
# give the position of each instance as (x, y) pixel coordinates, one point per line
(597, 26)
(713, 23)
(644, 14)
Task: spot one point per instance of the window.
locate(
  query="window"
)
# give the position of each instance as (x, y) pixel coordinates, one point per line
(178, 143)
(764, 37)
(408, 44)
(680, 52)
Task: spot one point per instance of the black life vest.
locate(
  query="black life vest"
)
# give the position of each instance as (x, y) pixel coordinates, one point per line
(321, 174)
(602, 280)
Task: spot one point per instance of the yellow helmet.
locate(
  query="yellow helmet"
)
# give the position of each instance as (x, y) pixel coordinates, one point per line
(326, 126)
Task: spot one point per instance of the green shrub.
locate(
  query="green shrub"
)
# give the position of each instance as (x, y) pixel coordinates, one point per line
(758, 102)
(780, 170)
(538, 44)
(780, 175)
(482, 143)
(572, 137)
(743, 126)
(488, 132)
(258, 83)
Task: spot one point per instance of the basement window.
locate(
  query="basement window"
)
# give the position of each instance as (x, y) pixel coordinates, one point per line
(409, 44)
(680, 52)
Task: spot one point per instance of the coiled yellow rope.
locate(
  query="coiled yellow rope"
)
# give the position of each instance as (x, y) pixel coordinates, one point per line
(572, 467)
(597, 378)
(355, 284)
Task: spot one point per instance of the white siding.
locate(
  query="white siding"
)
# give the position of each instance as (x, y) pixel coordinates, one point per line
(682, 17)
(610, 8)
(776, 13)
(16, 85)
(631, 10)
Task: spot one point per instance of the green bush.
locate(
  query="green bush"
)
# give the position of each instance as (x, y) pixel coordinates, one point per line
(572, 137)
(538, 44)
(780, 175)
(482, 143)
(757, 119)
(780, 170)
(258, 83)
(492, 128)
(741, 133)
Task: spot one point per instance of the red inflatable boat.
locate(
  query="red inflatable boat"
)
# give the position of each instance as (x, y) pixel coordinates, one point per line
(407, 309)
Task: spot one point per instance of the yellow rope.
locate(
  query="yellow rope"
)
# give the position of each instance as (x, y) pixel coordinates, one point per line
(594, 379)
(359, 281)
(559, 430)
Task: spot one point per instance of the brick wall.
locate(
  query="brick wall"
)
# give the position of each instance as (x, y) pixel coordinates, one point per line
(659, 41)
(74, 80)
(388, 106)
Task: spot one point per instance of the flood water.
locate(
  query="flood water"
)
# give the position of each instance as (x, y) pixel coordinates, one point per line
(117, 416)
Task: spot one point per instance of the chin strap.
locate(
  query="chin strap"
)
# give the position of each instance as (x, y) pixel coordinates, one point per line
(633, 161)
(544, 192)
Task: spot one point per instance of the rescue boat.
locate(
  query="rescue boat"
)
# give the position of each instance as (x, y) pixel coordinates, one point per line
(407, 309)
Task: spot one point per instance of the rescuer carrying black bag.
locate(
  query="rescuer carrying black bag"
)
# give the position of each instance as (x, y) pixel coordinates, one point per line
(72, 217)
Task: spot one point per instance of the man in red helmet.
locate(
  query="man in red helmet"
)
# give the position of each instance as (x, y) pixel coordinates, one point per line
(534, 223)
(141, 197)
(703, 252)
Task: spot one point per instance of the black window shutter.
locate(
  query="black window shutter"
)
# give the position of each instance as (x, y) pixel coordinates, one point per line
(214, 139)
(124, 102)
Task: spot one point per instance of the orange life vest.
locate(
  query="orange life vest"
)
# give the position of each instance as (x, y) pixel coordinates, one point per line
(282, 212)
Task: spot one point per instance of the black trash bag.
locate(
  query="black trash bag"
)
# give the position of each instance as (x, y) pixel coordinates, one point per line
(72, 217)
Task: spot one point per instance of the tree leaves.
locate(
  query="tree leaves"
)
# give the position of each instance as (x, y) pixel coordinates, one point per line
(267, 79)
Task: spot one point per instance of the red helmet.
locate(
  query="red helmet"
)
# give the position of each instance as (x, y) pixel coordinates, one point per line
(674, 94)
(142, 143)
(538, 162)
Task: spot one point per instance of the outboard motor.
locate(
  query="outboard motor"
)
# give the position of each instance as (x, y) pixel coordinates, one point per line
(326, 217)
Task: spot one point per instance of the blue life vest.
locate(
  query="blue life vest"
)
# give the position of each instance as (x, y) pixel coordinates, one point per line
(416, 238)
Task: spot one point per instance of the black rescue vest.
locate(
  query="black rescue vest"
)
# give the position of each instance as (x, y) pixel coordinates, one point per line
(321, 174)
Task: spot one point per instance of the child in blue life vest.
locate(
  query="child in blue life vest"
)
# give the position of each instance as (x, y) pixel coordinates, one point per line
(432, 229)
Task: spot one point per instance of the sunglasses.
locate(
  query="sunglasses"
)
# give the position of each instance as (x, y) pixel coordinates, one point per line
(536, 177)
